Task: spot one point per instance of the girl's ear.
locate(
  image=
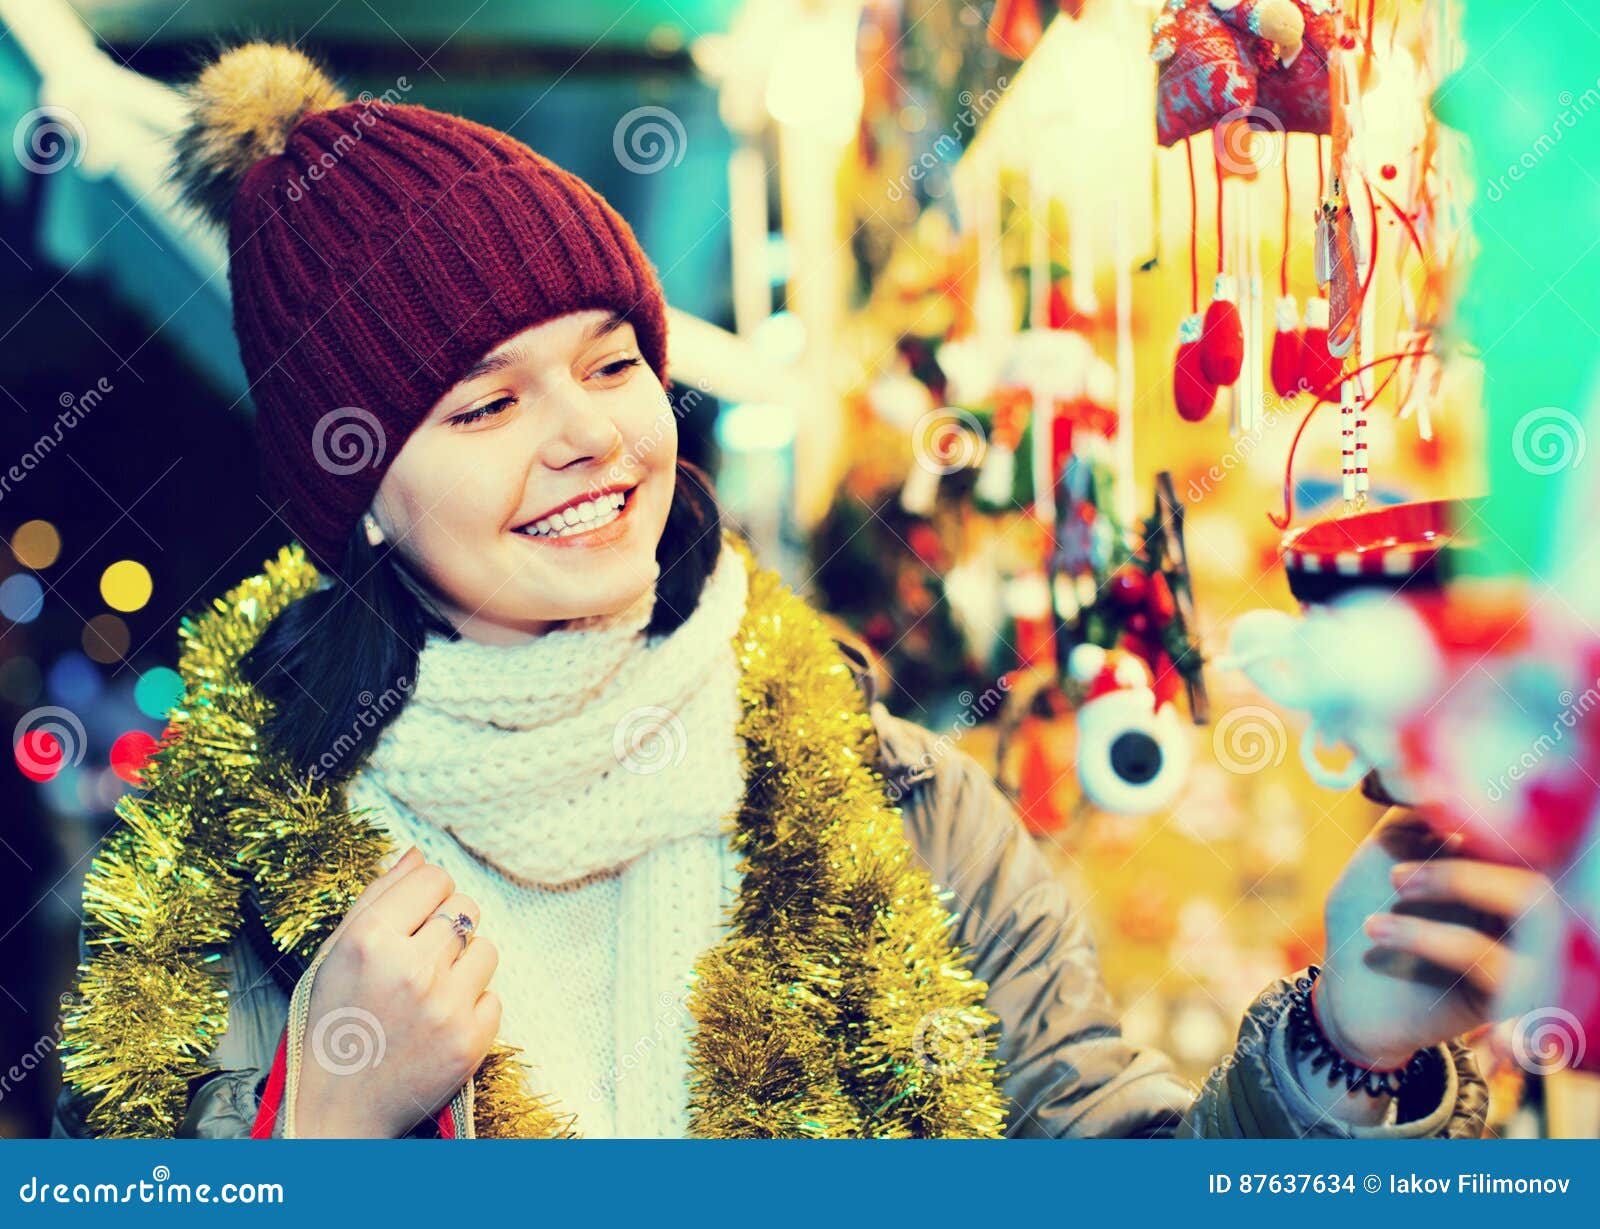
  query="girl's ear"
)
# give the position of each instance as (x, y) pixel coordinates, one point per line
(374, 532)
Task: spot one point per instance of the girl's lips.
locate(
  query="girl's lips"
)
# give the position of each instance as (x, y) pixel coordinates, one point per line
(602, 535)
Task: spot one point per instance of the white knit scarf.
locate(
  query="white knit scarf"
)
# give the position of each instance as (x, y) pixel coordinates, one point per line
(592, 750)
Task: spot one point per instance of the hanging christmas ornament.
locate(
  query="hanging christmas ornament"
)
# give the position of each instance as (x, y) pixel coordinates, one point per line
(1145, 604)
(1341, 247)
(1222, 339)
(1194, 393)
(1133, 752)
(1347, 439)
(1288, 341)
(1295, 90)
(1319, 370)
(1213, 56)
(1288, 345)
(1235, 65)
(1337, 241)
(1363, 483)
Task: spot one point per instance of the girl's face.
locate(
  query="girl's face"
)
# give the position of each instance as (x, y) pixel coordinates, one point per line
(536, 489)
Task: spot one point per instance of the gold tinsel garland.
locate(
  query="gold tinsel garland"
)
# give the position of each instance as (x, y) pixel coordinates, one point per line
(831, 1008)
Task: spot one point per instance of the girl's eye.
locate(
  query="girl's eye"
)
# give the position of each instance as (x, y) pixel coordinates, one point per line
(482, 411)
(614, 369)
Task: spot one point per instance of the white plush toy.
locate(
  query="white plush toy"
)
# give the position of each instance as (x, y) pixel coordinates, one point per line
(1133, 754)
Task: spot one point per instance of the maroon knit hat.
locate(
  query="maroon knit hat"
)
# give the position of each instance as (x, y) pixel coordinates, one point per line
(376, 251)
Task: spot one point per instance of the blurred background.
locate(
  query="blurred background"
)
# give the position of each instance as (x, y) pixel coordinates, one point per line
(927, 261)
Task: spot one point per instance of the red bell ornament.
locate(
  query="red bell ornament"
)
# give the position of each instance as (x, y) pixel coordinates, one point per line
(1222, 343)
(1287, 347)
(1194, 394)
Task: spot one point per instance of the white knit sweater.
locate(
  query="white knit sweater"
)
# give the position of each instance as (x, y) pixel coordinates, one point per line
(578, 788)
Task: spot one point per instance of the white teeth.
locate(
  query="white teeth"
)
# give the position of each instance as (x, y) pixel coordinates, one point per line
(590, 514)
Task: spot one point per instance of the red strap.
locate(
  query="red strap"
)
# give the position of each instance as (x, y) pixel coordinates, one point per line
(272, 1097)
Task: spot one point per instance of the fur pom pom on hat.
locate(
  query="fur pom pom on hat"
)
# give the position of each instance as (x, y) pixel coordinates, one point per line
(377, 250)
(241, 110)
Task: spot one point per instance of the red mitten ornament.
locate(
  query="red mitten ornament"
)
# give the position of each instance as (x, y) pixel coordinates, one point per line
(1194, 394)
(1287, 345)
(1318, 369)
(1222, 343)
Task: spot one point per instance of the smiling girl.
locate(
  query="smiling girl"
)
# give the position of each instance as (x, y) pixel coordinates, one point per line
(515, 798)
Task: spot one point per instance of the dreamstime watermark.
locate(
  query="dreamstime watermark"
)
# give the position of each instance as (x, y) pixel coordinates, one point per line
(974, 710)
(347, 440)
(49, 139)
(949, 1039)
(649, 139)
(374, 109)
(374, 711)
(75, 407)
(947, 148)
(1253, 1041)
(1248, 739)
(37, 1055)
(348, 1040)
(1573, 707)
(1239, 454)
(1548, 440)
(48, 739)
(1548, 1040)
(948, 439)
(1249, 140)
(157, 1188)
(670, 1018)
(626, 466)
(649, 739)
(1573, 108)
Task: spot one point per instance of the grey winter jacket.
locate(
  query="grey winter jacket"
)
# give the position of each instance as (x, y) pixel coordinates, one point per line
(1066, 1068)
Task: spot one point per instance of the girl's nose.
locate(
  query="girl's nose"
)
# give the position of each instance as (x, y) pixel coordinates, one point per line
(585, 434)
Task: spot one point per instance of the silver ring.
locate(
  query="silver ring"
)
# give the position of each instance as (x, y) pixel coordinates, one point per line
(461, 924)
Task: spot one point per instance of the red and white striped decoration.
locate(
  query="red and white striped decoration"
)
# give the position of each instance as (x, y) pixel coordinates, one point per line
(1347, 440)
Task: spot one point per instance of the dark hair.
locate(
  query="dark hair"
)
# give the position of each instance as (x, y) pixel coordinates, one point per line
(337, 663)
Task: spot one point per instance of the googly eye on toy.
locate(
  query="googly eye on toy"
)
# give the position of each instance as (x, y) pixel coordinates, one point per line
(1133, 752)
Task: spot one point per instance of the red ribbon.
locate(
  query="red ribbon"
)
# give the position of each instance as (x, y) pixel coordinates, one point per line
(272, 1098)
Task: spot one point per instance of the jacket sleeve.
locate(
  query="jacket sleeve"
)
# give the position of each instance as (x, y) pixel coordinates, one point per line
(223, 1101)
(1255, 1091)
(1065, 1066)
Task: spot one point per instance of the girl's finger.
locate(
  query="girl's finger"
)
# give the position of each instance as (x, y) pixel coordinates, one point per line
(412, 857)
(470, 974)
(1508, 891)
(487, 1011)
(404, 863)
(409, 902)
(1479, 958)
(437, 934)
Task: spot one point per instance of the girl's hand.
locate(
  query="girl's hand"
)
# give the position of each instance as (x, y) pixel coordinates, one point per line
(400, 1016)
(1424, 944)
